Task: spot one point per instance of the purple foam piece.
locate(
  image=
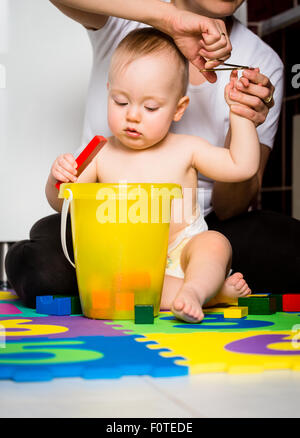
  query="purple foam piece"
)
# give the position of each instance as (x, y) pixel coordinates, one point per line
(77, 326)
(259, 345)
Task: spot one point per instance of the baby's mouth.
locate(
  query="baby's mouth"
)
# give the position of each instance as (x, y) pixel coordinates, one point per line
(131, 132)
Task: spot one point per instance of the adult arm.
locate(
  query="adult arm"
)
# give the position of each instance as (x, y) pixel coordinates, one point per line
(231, 199)
(191, 32)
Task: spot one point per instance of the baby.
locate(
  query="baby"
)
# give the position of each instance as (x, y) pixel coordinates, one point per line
(147, 84)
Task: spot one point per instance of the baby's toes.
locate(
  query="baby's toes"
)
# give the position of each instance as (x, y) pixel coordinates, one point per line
(187, 309)
(240, 285)
(234, 278)
(245, 292)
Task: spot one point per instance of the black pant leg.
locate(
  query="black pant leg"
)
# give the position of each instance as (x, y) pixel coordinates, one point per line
(38, 266)
(266, 249)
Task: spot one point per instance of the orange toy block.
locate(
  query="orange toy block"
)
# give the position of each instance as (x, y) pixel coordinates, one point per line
(132, 281)
(101, 300)
(125, 301)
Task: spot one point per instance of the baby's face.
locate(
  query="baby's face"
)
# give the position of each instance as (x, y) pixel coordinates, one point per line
(142, 101)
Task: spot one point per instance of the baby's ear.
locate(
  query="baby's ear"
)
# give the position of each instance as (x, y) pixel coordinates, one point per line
(181, 107)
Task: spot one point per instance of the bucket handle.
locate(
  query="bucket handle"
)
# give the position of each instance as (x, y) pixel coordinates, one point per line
(63, 225)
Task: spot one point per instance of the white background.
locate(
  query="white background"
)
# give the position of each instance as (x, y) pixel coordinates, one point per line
(47, 59)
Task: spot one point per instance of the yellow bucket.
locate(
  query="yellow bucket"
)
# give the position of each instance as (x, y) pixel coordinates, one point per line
(120, 238)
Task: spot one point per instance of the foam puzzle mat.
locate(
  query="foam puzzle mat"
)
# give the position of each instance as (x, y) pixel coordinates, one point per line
(36, 347)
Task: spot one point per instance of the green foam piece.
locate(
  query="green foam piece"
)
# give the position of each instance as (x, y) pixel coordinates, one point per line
(143, 314)
(167, 323)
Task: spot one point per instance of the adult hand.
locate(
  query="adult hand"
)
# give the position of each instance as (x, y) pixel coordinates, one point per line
(253, 96)
(200, 39)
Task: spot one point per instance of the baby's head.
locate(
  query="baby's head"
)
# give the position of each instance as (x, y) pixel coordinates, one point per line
(147, 82)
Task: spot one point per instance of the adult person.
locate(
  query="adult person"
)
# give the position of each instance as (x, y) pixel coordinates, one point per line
(260, 240)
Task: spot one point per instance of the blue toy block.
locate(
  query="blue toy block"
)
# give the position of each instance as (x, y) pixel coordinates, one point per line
(49, 306)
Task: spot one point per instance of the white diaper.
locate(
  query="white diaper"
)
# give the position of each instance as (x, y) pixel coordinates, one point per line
(198, 225)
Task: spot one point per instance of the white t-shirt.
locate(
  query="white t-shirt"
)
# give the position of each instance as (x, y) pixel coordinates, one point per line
(207, 115)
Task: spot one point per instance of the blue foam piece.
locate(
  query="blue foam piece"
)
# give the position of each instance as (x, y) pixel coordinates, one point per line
(216, 321)
(42, 359)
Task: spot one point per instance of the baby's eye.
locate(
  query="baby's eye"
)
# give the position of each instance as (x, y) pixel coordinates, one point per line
(151, 108)
(120, 103)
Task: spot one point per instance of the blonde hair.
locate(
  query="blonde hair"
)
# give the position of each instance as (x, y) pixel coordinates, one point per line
(146, 41)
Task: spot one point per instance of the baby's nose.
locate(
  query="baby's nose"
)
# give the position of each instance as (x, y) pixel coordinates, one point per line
(133, 114)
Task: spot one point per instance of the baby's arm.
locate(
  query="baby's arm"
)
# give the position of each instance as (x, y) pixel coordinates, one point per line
(238, 163)
(64, 170)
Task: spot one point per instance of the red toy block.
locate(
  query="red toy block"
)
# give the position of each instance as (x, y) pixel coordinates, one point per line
(86, 156)
(291, 303)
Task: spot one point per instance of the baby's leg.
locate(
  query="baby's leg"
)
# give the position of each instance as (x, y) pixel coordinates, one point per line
(205, 260)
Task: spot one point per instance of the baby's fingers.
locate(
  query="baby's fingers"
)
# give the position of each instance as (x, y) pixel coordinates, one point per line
(64, 168)
(67, 161)
(61, 174)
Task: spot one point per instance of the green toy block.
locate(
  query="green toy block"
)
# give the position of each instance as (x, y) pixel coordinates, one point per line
(259, 305)
(75, 303)
(278, 303)
(143, 314)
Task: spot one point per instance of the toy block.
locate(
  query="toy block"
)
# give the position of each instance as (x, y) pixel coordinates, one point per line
(75, 303)
(278, 303)
(45, 304)
(101, 299)
(291, 302)
(49, 306)
(124, 301)
(236, 312)
(259, 305)
(132, 281)
(143, 314)
(87, 155)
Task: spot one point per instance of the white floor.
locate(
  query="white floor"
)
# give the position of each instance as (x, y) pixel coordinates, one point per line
(266, 395)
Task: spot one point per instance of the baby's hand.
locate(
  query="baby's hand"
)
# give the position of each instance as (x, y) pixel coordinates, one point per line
(231, 87)
(64, 168)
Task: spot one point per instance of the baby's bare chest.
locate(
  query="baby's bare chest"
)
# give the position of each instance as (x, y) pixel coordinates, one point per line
(143, 166)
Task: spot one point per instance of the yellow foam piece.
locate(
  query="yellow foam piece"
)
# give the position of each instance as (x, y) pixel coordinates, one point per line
(207, 353)
(236, 312)
(22, 328)
(6, 295)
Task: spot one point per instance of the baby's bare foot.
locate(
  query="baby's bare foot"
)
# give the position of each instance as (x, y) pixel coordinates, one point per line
(187, 305)
(233, 288)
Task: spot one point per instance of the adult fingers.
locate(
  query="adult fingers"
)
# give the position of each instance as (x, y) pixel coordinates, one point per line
(249, 113)
(220, 49)
(263, 93)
